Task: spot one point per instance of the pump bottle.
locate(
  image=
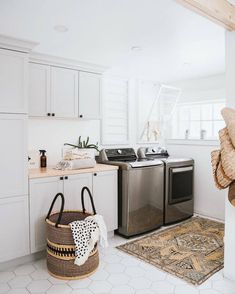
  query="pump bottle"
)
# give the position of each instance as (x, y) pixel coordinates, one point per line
(43, 158)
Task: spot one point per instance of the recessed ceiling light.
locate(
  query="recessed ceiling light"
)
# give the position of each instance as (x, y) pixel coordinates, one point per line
(61, 28)
(136, 48)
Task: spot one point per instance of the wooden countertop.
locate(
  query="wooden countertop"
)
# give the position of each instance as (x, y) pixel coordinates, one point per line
(51, 172)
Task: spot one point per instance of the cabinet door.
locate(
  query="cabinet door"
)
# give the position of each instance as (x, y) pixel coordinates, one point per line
(105, 197)
(64, 92)
(14, 228)
(13, 81)
(89, 95)
(72, 191)
(42, 192)
(13, 159)
(39, 89)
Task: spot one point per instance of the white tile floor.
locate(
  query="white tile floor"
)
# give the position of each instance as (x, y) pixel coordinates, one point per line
(118, 273)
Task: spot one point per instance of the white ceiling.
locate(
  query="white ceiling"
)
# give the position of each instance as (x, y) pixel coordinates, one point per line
(176, 43)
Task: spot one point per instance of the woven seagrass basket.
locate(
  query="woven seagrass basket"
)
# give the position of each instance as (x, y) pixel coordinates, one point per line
(222, 181)
(60, 243)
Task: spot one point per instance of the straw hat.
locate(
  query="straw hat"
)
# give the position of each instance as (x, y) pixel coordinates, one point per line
(228, 115)
(227, 154)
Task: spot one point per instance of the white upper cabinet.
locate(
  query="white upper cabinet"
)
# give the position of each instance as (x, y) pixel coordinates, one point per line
(64, 92)
(13, 81)
(39, 89)
(13, 160)
(89, 95)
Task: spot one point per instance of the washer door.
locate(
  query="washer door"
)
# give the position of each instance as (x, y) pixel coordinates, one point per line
(180, 184)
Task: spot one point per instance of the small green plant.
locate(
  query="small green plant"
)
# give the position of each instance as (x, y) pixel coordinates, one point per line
(84, 144)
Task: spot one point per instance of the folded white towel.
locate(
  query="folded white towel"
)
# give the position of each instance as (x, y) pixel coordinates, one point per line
(86, 234)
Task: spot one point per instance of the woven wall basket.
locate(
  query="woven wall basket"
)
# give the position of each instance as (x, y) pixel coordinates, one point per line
(231, 194)
(227, 154)
(60, 243)
(220, 178)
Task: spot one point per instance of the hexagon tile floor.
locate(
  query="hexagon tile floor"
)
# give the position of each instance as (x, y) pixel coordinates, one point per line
(118, 273)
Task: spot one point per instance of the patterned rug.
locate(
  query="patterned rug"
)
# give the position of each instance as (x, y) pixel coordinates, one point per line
(192, 250)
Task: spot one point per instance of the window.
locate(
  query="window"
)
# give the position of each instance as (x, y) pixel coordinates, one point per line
(197, 120)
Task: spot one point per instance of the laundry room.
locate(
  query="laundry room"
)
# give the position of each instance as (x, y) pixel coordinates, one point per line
(118, 144)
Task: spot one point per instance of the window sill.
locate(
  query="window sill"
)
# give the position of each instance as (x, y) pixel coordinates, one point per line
(192, 142)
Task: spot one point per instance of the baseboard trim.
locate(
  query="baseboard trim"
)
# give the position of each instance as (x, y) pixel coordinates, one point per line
(22, 260)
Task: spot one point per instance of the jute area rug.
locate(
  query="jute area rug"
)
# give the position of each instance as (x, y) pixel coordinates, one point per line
(192, 250)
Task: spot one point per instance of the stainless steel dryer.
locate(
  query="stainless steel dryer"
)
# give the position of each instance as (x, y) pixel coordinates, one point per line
(140, 191)
(179, 172)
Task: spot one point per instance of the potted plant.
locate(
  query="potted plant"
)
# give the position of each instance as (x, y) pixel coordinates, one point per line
(82, 150)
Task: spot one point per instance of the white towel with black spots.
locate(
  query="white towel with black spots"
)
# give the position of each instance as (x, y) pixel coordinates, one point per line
(86, 234)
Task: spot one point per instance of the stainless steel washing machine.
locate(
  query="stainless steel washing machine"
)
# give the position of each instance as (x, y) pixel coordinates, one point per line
(140, 191)
(179, 173)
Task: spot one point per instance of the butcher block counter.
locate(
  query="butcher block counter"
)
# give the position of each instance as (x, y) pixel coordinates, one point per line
(36, 173)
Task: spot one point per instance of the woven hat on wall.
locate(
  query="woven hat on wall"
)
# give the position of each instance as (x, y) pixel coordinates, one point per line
(228, 114)
(227, 154)
(229, 118)
(231, 131)
(231, 194)
(221, 180)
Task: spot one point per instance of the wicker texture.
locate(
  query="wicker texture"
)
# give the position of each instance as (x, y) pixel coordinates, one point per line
(67, 270)
(220, 178)
(231, 131)
(63, 234)
(228, 115)
(60, 243)
(231, 194)
(227, 154)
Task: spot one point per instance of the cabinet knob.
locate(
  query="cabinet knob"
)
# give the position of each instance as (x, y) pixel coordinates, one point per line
(81, 115)
(53, 114)
(61, 178)
(66, 178)
(48, 114)
(95, 174)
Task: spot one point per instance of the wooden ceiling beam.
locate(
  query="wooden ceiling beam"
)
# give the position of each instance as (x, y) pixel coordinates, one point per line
(221, 12)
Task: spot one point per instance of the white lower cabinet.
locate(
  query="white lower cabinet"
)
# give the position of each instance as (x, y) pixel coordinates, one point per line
(42, 192)
(103, 186)
(105, 197)
(72, 191)
(14, 228)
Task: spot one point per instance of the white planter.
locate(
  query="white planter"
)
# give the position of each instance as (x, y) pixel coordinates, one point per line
(70, 153)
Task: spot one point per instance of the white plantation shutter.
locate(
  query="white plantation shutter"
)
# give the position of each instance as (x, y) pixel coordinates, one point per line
(115, 122)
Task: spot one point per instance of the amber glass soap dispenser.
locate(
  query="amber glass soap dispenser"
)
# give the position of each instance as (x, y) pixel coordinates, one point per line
(43, 158)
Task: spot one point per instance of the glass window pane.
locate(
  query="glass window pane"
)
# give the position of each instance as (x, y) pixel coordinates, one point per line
(218, 125)
(184, 112)
(207, 130)
(183, 130)
(195, 113)
(194, 130)
(217, 111)
(206, 111)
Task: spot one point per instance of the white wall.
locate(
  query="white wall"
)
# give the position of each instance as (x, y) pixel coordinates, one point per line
(51, 134)
(209, 88)
(229, 239)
